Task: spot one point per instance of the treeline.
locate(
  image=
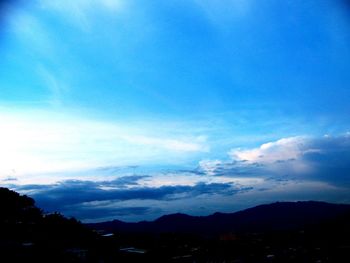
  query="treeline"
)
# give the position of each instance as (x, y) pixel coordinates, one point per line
(29, 235)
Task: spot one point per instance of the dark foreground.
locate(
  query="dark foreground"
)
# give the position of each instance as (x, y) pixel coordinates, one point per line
(280, 232)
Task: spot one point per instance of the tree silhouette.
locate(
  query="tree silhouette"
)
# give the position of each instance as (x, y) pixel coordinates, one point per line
(16, 208)
(27, 234)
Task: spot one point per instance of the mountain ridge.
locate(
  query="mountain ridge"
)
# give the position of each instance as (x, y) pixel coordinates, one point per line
(266, 217)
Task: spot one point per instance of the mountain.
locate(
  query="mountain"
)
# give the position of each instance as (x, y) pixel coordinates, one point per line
(271, 217)
(279, 232)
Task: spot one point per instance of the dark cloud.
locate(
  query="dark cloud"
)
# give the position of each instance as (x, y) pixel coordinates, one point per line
(125, 181)
(234, 168)
(75, 195)
(10, 179)
(195, 171)
(324, 159)
(120, 182)
(331, 160)
(240, 169)
(69, 193)
(116, 169)
(92, 213)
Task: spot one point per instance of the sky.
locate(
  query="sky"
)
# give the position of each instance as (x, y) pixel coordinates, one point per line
(115, 109)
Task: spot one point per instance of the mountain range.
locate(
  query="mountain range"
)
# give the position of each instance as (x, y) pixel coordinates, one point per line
(279, 232)
(278, 216)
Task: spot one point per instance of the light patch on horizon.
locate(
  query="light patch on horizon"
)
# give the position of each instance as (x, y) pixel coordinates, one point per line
(185, 178)
(52, 143)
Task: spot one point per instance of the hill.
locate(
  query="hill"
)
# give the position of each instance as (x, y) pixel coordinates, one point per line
(278, 232)
(271, 217)
(29, 235)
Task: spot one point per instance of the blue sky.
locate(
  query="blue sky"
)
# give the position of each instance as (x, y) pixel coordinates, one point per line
(129, 109)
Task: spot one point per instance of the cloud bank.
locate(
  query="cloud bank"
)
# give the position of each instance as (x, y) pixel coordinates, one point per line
(95, 200)
(324, 159)
(295, 168)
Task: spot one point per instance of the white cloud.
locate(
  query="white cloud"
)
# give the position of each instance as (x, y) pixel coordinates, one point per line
(209, 166)
(48, 142)
(287, 156)
(324, 158)
(281, 157)
(195, 145)
(282, 150)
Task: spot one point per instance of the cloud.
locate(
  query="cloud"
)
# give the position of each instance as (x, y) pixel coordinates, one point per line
(74, 192)
(170, 144)
(210, 167)
(82, 12)
(37, 39)
(324, 159)
(271, 152)
(231, 168)
(96, 213)
(295, 168)
(46, 142)
(283, 156)
(10, 179)
(331, 159)
(55, 87)
(33, 35)
(115, 168)
(125, 181)
(89, 197)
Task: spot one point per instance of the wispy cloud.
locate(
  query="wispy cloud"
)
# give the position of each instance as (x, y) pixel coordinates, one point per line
(48, 142)
(32, 34)
(82, 12)
(55, 87)
(37, 39)
(195, 145)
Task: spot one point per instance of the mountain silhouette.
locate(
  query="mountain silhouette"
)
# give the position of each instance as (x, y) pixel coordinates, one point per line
(279, 232)
(271, 217)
